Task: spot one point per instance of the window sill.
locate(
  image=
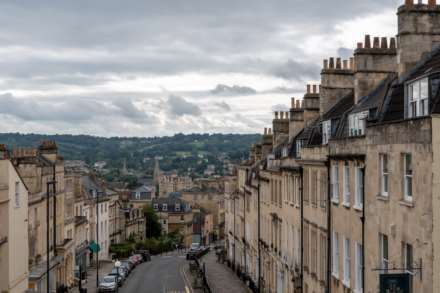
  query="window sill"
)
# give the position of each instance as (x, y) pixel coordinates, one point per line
(406, 203)
(383, 197)
(346, 205)
(358, 208)
(335, 201)
(335, 276)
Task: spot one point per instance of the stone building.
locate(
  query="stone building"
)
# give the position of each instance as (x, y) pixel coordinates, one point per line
(14, 251)
(345, 195)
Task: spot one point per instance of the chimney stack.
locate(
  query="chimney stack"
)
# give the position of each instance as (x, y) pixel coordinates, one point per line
(367, 44)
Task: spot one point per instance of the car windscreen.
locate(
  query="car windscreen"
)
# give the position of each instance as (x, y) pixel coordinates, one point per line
(109, 279)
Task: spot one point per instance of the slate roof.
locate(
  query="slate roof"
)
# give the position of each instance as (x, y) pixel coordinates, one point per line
(171, 203)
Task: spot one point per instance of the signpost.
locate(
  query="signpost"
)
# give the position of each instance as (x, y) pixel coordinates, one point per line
(395, 283)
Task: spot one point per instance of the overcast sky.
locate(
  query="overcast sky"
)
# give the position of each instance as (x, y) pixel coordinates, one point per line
(146, 68)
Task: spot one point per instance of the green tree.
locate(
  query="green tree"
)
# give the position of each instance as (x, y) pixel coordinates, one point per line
(152, 224)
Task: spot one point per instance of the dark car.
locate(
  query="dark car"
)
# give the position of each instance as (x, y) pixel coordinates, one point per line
(120, 273)
(128, 265)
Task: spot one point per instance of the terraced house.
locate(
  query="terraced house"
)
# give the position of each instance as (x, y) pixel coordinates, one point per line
(341, 194)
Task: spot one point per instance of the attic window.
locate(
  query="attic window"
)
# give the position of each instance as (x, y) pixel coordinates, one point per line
(284, 152)
(299, 145)
(357, 123)
(418, 97)
(326, 131)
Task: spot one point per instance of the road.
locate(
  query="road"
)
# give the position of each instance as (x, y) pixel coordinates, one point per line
(164, 274)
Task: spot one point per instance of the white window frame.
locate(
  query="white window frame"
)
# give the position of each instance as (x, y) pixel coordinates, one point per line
(326, 131)
(347, 262)
(407, 264)
(357, 123)
(335, 183)
(177, 207)
(359, 193)
(346, 184)
(299, 145)
(408, 178)
(359, 269)
(17, 194)
(156, 206)
(335, 255)
(384, 251)
(418, 98)
(384, 175)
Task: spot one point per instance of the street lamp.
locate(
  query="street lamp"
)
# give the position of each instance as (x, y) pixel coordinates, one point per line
(117, 266)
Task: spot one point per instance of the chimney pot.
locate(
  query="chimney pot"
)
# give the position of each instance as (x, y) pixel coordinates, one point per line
(345, 64)
(393, 43)
(314, 88)
(360, 45)
(308, 88)
(265, 130)
(298, 104)
(293, 103)
(367, 44)
(409, 3)
(432, 3)
(281, 114)
(376, 42)
(332, 63)
(338, 63)
(384, 43)
(269, 131)
(276, 114)
(351, 63)
(325, 64)
(286, 115)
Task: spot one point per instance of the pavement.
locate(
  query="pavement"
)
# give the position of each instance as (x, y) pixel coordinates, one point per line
(222, 279)
(105, 268)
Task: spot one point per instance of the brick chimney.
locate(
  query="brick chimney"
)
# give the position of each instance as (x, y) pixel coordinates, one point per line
(337, 80)
(373, 64)
(418, 32)
(280, 126)
(49, 150)
(266, 142)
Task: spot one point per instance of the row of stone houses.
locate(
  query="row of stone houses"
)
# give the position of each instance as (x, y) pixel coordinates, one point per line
(84, 214)
(341, 194)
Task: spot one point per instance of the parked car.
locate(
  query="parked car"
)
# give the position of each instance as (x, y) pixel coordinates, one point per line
(145, 254)
(120, 273)
(135, 259)
(108, 284)
(128, 265)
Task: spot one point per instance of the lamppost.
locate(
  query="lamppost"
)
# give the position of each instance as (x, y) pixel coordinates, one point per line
(117, 266)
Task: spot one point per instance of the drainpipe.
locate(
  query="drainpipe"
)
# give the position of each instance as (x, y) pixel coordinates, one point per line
(244, 236)
(363, 230)
(301, 190)
(329, 221)
(259, 240)
(233, 260)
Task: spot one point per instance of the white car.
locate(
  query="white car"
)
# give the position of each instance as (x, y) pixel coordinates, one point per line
(108, 284)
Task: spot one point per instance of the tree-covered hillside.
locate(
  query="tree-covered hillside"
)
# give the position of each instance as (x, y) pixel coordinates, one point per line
(181, 152)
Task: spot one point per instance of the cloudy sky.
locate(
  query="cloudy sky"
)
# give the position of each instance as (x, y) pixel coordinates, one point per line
(159, 67)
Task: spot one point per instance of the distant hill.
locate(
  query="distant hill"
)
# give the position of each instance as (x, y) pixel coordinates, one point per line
(181, 152)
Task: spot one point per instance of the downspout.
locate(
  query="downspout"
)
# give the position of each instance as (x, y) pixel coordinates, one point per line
(301, 190)
(259, 240)
(329, 227)
(244, 229)
(363, 229)
(233, 260)
(54, 211)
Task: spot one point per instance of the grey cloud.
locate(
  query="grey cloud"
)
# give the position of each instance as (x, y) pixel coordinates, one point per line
(294, 70)
(79, 110)
(223, 106)
(178, 106)
(235, 90)
(280, 107)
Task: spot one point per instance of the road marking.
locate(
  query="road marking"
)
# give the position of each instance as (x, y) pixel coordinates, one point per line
(187, 289)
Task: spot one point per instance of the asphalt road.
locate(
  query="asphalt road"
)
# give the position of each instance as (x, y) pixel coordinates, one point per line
(164, 274)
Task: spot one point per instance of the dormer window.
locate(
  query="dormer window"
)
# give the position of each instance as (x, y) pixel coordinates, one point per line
(326, 131)
(177, 207)
(357, 123)
(284, 152)
(164, 207)
(418, 97)
(299, 145)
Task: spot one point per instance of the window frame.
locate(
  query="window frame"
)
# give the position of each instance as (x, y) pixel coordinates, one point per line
(335, 255)
(384, 257)
(347, 262)
(346, 195)
(384, 174)
(326, 131)
(418, 98)
(408, 178)
(357, 123)
(335, 183)
(358, 268)
(17, 194)
(359, 190)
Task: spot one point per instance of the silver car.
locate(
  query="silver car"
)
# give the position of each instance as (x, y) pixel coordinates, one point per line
(108, 284)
